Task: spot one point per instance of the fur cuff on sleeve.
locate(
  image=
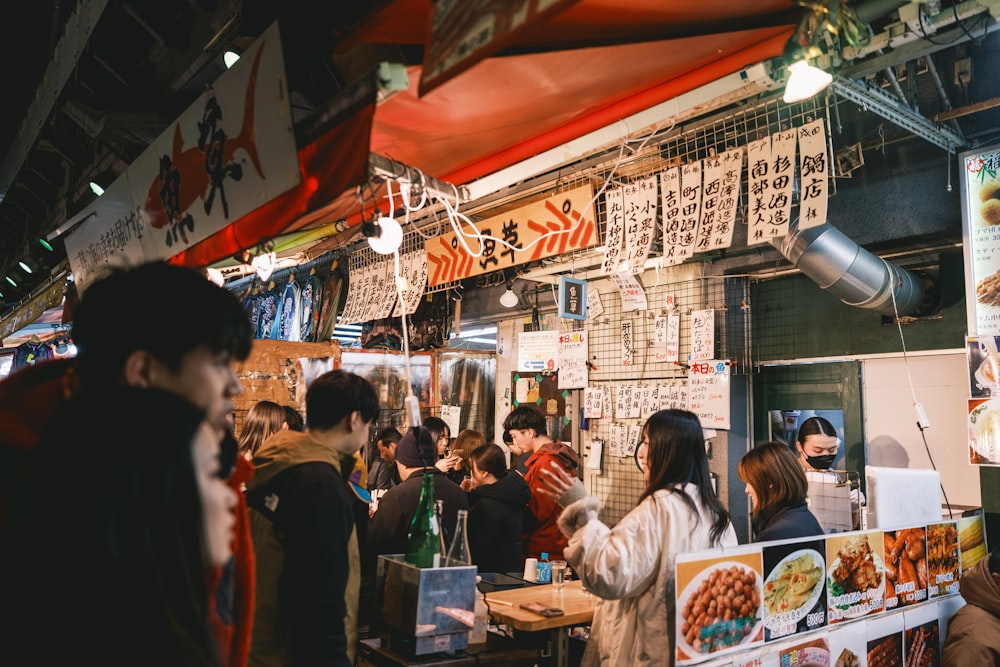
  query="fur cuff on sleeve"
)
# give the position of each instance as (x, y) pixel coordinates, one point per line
(578, 514)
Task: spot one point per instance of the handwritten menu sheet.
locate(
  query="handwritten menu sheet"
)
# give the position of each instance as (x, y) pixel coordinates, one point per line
(628, 343)
(573, 352)
(813, 176)
(640, 207)
(708, 387)
(702, 334)
(721, 176)
(614, 202)
(632, 294)
(770, 167)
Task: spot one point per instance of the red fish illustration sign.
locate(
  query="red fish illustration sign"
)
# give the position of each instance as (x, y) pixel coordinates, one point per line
(229, 153)
(556, 225)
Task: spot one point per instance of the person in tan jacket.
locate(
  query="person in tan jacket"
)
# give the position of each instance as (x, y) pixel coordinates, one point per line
(973, 638)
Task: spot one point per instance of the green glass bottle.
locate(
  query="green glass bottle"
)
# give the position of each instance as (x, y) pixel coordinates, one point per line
(423, 543)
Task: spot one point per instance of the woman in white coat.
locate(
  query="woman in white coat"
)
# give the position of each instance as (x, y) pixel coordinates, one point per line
(630, 568)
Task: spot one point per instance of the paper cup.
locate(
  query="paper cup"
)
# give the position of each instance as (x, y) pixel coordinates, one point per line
(531, 569)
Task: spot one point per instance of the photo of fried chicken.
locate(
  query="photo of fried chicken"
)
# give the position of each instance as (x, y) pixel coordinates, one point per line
(857, 570)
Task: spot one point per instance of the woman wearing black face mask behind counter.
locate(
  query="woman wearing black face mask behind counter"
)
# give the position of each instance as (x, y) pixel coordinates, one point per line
(818, 446)
(817, 443)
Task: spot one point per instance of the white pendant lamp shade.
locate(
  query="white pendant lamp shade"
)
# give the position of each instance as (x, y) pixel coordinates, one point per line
(389, 238)
(805, 81)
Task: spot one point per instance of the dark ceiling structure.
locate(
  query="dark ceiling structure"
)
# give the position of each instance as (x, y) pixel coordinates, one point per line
(91, 83)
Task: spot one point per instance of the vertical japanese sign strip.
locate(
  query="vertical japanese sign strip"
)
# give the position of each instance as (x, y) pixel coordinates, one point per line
(614, 231)
(690, 208)
(980, 185)
(721, 177)
(670, 196)
(770, 169)
(813, 174)
(640, 221)
(553, 226)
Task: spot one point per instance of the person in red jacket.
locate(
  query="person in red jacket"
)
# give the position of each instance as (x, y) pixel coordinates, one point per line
(154, 325)
(529, 434)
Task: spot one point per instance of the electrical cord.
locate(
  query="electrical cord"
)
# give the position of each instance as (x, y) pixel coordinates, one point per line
(909, 378)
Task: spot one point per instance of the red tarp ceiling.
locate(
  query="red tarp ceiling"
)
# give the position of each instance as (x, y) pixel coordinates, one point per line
(594, 63)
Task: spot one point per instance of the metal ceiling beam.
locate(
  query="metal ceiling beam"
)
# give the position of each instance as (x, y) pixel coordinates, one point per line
(64, 61)
(889, 108)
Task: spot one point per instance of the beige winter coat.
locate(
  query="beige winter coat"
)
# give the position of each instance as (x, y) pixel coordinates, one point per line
(630, 571)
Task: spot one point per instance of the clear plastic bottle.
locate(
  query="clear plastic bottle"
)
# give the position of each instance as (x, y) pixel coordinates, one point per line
(458, 553)
(544, 569)
(423, 542)
(478, 633)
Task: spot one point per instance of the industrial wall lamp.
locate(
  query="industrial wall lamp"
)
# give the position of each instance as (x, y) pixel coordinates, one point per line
(826, 23)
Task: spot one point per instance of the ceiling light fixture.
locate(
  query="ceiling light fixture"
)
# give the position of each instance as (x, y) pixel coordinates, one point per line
(827, 22)
(11, 281)
(45, 244)
(24, 267)
(231, 56)
(384, 235)
(508, 299)
(96, 189)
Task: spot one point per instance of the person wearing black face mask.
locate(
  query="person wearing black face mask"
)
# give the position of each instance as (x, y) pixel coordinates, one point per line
(818, 446)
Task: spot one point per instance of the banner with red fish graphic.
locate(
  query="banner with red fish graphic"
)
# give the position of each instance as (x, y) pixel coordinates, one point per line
(556, 225)
(229, 153)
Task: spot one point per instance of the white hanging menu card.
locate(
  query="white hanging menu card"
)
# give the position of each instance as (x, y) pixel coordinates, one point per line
(594, 306)
(593, 403)
(614, 202)
(708, 392)
(632, 294)
(812, 174)
(702, 334)
(573, 360)
(660, 339)
(770, 166)
(720, 194)
(628, 345)
(640, 221)
(670, 205)
(690, 210)
(673, 337)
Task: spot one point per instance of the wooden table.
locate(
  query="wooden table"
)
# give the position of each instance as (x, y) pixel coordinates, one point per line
(496, 652)
(577, 605)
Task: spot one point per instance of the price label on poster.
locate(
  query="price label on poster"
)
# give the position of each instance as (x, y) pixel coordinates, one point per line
(708, 392)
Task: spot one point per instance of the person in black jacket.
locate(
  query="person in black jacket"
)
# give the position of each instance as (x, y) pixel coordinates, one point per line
(389, 525)
(496, 503)
(777, 488)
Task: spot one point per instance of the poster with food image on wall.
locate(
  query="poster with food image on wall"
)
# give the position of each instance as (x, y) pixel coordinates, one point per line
(984, 431)
(848, 645)
(719, 598)
(855, 581)
(794, 588)
(813, 651)
(885, 641)
(921, 637)
(943, 564)
(971, 541)
(983, 354)
(906, 575)
(980, 185)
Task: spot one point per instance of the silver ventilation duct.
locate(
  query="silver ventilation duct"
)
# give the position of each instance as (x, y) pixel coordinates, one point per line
(851, 273)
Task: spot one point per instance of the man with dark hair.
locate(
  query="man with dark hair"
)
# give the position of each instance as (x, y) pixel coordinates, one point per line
(153, 325)
(529, 434)
(973, 638)
(304, 533)
(384, 475)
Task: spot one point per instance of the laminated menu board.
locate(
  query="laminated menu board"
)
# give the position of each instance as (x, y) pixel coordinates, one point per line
(943, 564)
(855, 575)
(905, 567)
(718, 603)
(980, 185)
(794, 588)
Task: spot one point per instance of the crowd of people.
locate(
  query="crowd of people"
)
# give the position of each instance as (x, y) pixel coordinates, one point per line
(137, 524)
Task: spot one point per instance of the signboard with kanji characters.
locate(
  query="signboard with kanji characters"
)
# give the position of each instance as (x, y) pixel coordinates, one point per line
(553, 226)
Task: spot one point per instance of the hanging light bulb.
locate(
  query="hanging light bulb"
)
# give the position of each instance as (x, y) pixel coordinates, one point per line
(508, 299)
(386, 236)
(805, 81)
